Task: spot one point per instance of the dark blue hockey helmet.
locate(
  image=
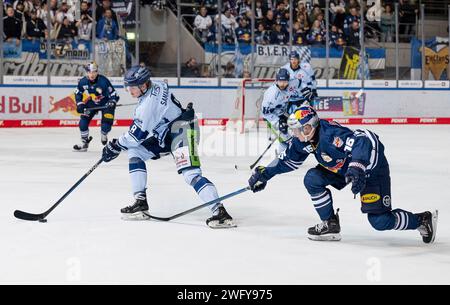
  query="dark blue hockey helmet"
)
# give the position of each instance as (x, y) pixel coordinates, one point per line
(136, 76)
(282, 75)
(294, 54)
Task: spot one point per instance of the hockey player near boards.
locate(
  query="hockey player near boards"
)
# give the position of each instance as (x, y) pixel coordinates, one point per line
(160, 127)
(344, 156)
(305, 75)
(100, 92)
(275, 105)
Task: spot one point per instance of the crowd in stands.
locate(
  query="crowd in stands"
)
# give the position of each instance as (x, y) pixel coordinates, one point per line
(272, 21)
(69, 20)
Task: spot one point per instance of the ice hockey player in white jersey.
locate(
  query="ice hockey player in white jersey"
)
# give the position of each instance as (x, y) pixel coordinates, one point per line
(305, 74)
(161, 127)
(275, 105)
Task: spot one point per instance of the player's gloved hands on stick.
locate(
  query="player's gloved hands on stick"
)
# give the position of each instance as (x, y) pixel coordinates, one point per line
(356, 174)
(307, 94)
(110, 104)
(111, 150)
(81, 108)
(257, 181)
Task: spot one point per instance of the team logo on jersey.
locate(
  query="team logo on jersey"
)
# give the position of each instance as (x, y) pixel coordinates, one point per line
(370, 198)
(387, 200)
(99, 90)
(338, 142)
(326, 157)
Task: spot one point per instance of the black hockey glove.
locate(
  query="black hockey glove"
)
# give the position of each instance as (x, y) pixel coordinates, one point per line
(356, 174)
(282, 124)
(81, 107)
(110, 104)
(111, 150)
(307, 94)
(258, 181)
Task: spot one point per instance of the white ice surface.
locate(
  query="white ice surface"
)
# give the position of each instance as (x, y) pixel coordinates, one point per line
(85, 241)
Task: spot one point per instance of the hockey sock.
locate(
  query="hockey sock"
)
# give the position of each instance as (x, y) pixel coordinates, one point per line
(207, 191)
(323, 203)
(138, 174)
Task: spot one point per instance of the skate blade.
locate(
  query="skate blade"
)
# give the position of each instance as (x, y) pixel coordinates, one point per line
(138, 216)
(326, 237)
(215, 224)
(80, 150)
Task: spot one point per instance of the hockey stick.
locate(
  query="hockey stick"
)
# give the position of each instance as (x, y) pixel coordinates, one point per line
(41, 217)
(201, 206)
(260, 157)
(104, 107)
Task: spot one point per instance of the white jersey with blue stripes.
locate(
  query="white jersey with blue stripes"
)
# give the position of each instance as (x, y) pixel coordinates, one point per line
(275, 101)
(155, 112)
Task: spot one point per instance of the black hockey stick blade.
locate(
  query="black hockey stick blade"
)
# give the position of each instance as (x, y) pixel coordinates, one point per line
(38, 217)
(201, 206)
(28, 216)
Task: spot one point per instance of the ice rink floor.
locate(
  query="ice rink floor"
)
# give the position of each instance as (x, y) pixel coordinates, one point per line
(85, 241)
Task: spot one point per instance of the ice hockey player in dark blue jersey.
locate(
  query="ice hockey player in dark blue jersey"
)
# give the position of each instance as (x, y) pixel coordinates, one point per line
(99, 92)
(345, 156)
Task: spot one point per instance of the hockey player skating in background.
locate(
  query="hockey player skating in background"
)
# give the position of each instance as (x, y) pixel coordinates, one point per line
(161, 126)
(275, 105)
(100, 93)
(305, 74)
(344, 156)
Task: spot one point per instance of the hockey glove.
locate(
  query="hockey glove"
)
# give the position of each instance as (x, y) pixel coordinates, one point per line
(282, 124)
(307, 94)
(110, 104)
(111, 150)
(356, 174)
(81, 107)
(258, 181)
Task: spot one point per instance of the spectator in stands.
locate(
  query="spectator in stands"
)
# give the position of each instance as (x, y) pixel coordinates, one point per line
(64, 12)
(387, 24)
(229, 70)
(279, 35)
(85, 27)
(321, 20)
(53, 10)
(262, 36)
(316, 35)
(337, 39)
(303, 20)
(260, 11)
(353, 37)
(19, 13)
(228, 26)
(190, 68)
(66, 31)
(349, 19)
(202, 24)
(100, 11)
(315, 13)
(243, 32)
(407, 13)
(107, 27)
(299, 37)
(36, 28)
(85, 9)
(12, 27)
(269, 20)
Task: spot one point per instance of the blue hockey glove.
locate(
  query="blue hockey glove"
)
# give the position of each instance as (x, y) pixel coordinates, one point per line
(356, 174)
(257, 181)
(111, 150)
